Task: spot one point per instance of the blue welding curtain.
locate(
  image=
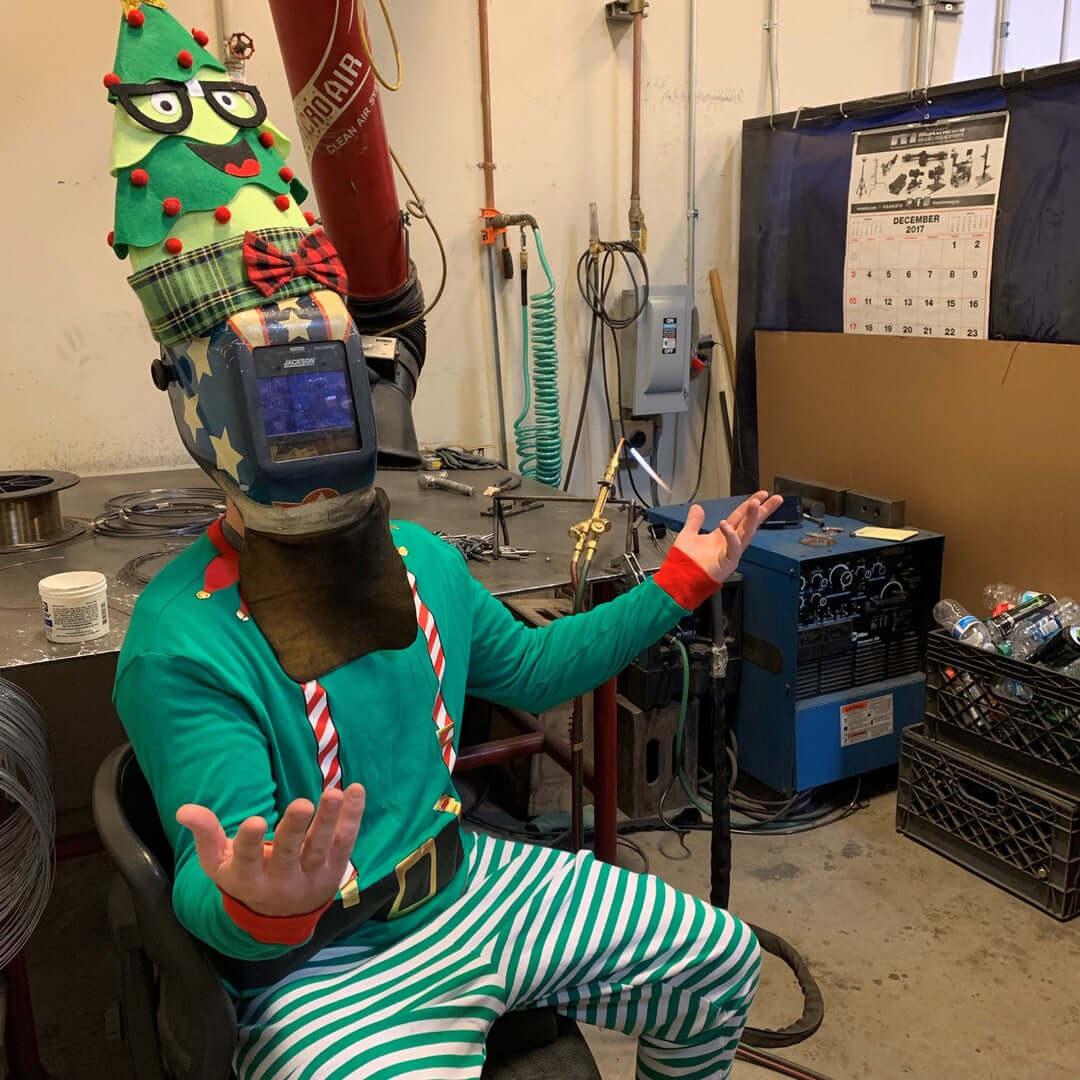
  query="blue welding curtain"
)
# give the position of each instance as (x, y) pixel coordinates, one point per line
(794, 220)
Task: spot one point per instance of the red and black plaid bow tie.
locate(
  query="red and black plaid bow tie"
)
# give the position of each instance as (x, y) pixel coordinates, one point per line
(269, 268)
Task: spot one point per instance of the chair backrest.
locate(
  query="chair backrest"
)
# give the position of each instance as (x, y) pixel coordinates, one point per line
(196, 1019)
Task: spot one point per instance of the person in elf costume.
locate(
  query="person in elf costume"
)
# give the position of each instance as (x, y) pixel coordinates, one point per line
(291, 683)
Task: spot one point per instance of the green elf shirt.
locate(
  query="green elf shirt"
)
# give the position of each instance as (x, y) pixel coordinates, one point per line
(214, 719)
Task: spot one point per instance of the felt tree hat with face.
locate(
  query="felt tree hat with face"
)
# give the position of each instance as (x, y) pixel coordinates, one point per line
(187, 141)
(206, 208)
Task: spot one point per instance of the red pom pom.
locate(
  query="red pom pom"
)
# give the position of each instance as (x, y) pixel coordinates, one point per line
(201, 36)
(140, 177)
(135, 18)
(170, 207)
(110, 238)
(174, 245)
(266, 138)
(184, 58)
(286, 173)
(309, 217)
(222, 213)
(282, 203)
(111, 80)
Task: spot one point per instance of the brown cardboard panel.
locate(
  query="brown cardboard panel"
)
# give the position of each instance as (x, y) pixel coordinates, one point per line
(982, 439)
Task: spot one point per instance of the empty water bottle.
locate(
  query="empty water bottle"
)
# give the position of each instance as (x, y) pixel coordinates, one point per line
(999, 597)
(1034, 634)
(1068, 611)
(962, 624)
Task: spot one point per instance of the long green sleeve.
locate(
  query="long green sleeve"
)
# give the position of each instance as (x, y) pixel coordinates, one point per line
(197, 743)
(534, 668)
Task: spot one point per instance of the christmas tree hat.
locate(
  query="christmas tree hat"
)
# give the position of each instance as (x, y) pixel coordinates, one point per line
(197, 166)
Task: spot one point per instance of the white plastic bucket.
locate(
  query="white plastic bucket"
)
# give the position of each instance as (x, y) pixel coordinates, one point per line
(74, 606)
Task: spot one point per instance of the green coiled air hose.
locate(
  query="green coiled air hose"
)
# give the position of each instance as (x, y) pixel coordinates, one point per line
(539, 445)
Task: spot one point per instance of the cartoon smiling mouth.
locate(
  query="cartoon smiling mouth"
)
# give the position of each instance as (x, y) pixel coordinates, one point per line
(234, 159)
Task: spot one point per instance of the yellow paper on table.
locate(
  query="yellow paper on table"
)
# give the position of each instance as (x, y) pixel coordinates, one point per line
(873, 532)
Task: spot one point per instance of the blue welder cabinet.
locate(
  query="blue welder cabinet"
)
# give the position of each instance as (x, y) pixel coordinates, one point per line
(833, 645)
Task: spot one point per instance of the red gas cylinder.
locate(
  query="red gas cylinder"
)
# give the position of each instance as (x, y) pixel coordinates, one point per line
(336, 98)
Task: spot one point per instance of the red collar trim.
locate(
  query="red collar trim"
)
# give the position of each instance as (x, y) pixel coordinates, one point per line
(224, 570)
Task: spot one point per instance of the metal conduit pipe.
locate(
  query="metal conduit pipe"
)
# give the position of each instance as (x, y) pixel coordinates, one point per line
(1001, 38)
(1066, 23)
(691, 155)
(772, 27)
(924, 62)
(638, 233)
(488, 165)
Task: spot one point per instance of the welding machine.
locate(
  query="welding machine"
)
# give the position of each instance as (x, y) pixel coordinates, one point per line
(833, 644)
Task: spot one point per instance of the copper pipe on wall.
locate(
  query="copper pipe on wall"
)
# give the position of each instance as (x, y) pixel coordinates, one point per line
(488, 164)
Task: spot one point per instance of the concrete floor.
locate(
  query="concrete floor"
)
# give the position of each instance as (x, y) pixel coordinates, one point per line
(926, 970)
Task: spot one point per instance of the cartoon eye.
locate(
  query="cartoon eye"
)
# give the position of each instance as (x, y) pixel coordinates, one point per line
(158, 106)
(234, 103)
(166, 105)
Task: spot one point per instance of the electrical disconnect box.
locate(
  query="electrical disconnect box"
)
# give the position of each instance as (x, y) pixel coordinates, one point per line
(655, 352)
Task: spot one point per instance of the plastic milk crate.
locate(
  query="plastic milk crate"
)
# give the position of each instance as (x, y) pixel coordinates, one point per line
(1015, 714)
(1016, 833)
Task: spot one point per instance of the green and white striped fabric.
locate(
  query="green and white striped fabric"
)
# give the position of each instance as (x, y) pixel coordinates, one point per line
(533, 927)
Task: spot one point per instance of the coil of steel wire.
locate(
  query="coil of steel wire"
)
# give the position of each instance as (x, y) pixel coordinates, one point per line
(27, 820)
(161, 512)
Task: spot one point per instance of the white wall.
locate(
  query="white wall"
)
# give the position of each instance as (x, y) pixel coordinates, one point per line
(76, 351)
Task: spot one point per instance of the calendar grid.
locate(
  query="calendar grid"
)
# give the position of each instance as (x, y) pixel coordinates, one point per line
(919, 265)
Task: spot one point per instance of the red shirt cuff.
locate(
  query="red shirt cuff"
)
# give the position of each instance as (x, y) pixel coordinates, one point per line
(272, 929)
(684, 581)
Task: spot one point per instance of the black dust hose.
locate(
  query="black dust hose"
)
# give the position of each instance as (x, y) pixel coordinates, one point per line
(394, 371)
(813, 1004)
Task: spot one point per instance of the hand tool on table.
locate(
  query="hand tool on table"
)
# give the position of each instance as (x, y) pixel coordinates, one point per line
(425, 481)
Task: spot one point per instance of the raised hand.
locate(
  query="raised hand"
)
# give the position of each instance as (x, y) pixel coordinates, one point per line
(718, 552)
(296, 873)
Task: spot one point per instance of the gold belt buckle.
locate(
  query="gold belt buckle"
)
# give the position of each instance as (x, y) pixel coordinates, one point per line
(403, 867)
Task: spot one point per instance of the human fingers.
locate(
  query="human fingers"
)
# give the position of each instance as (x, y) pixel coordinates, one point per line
(740, 511)
(247, 845)
(733, 547)
(695, 518)
(211, 844)
(290, 832)
(320, 834)
(348, 825)
(768, 507)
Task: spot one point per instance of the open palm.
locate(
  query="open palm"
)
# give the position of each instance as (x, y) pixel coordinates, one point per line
(295, 873)
(718, 552)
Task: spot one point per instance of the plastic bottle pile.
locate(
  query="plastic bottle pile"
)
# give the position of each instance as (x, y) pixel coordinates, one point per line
(1036, 627)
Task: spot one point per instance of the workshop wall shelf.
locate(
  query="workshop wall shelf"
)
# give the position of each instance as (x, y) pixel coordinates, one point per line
(1013, 713)
(1010, 830)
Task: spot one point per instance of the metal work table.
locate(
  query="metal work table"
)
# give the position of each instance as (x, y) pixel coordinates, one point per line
(73, 683)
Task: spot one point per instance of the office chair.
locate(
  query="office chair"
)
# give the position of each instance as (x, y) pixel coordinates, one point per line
(178, 1021)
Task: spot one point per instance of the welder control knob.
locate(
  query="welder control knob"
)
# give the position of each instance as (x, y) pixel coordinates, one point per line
(840, 578)
(818, 601)
(802, 584)
(162, 373)
(817, 580)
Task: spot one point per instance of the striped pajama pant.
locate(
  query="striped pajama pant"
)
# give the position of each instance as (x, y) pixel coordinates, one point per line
(533, 928)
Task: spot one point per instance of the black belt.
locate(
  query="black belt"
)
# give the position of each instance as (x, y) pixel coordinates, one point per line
(412, 883)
